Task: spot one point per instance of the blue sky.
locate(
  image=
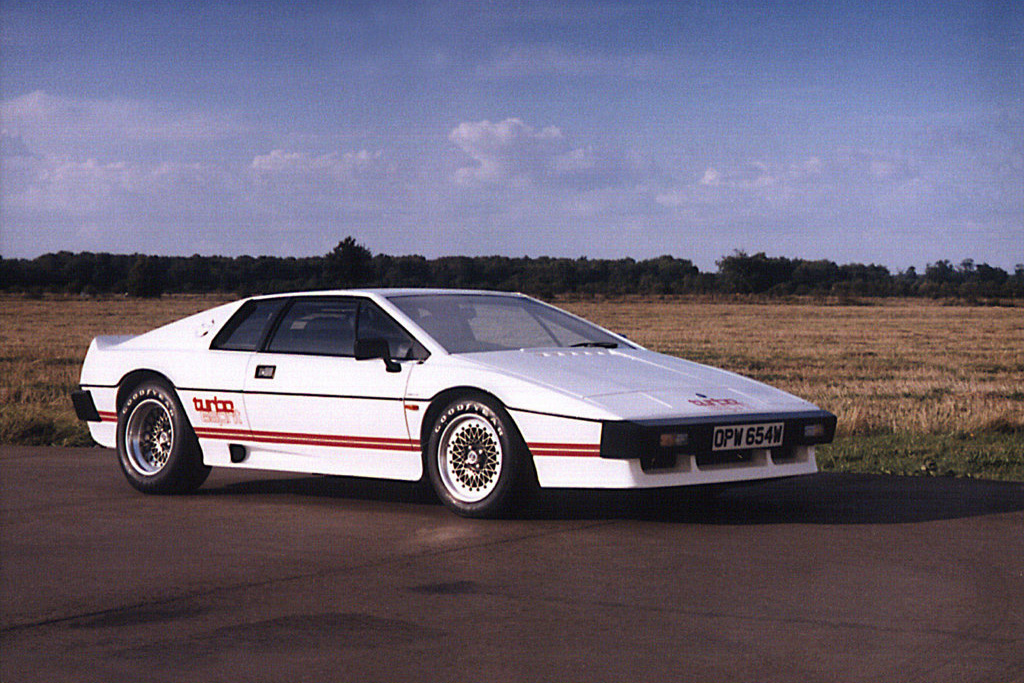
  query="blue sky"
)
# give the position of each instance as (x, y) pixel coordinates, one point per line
(890, 133)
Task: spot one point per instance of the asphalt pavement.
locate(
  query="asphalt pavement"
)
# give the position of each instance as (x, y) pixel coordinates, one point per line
(275, 577)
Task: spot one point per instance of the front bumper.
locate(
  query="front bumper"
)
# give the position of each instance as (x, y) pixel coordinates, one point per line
(85, 407)
(642, 439)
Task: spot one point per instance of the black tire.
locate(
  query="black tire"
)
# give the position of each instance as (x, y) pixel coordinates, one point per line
(476, 460)
(156, 446)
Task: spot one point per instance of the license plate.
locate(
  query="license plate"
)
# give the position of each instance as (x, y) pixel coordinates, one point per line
(739, 437)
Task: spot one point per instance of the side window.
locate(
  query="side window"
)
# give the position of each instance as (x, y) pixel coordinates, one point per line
(373, 322)
(317, 326)
(246, 328)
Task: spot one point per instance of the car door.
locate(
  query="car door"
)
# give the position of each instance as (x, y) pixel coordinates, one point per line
(313, 407)
(213, 395)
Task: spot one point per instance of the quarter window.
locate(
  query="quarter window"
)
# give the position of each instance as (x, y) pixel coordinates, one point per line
(246, 328)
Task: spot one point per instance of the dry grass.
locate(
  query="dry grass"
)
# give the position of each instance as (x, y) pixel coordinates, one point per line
(42, 346)
(902, 366)
(908, 368)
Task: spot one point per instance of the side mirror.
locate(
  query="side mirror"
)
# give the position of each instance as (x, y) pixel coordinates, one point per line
(376, 347)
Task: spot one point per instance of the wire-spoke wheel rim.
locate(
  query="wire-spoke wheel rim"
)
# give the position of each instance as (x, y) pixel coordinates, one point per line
(469, 458)
(149, 437)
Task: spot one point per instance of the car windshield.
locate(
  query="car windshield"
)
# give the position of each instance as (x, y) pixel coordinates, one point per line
(469, 323)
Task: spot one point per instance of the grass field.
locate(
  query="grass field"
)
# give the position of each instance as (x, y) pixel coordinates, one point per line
(919, 387)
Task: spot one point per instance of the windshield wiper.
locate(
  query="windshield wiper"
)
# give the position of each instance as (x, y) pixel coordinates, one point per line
(598, 344)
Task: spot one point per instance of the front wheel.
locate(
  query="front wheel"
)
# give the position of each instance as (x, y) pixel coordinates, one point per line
(475, 459)
(156, 447)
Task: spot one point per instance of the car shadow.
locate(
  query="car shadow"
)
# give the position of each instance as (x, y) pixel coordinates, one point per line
(323, 486)
(824, 498)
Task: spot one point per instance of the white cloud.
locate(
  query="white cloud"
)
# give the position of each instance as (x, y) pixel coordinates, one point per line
(845, 188)
(536, 185)
(711, 177)
(576, 160)
(851, 176)
(858, 166)
(40, 185)
(64, 186)
(749, 176)
(513, 154)
(339, 167)
(491, 137)
(506, 152)
(55, 124)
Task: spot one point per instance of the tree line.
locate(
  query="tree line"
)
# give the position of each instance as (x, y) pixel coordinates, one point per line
(350, 264)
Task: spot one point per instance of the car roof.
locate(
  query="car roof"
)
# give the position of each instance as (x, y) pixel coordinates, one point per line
(383, 295)
(393, 292)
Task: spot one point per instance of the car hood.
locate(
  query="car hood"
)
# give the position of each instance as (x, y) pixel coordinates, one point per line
(639, 384)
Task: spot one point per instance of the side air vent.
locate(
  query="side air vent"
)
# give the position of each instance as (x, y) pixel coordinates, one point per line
(238, 452)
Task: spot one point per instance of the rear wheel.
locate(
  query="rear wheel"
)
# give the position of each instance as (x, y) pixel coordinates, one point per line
(156, 447)
(475, 458)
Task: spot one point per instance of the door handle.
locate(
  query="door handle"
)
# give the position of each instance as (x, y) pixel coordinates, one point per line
(265, 371)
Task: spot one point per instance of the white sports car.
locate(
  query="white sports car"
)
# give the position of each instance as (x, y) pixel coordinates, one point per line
(485, 394)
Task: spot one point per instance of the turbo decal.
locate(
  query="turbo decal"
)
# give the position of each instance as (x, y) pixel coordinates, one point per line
(216, 411)
(717, 403)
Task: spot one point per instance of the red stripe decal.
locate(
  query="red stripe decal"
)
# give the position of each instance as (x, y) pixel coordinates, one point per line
(568, 450)
(106, 416)
(288, 435)
(374, 443)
